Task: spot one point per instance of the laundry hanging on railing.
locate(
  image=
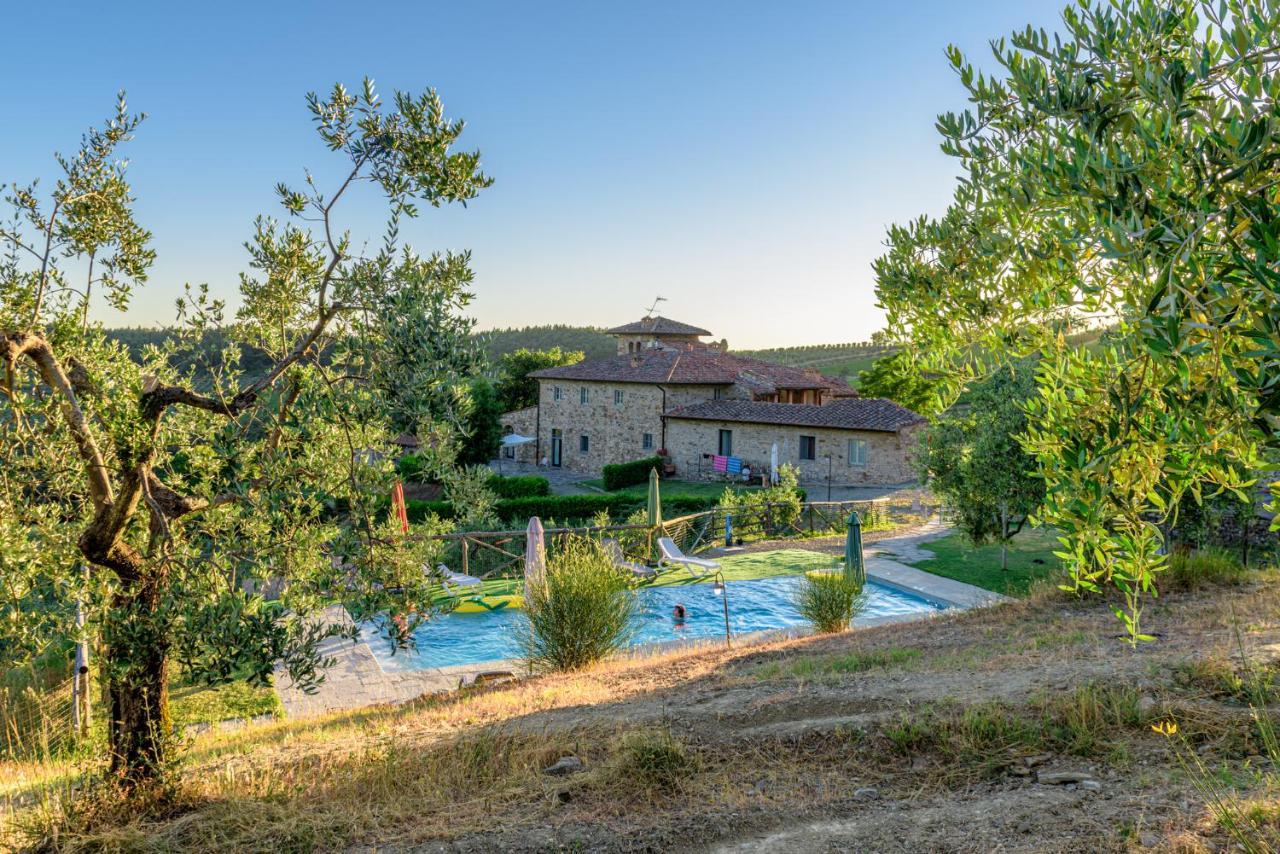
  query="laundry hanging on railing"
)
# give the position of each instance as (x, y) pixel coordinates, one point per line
(720, 463)
(733, 465)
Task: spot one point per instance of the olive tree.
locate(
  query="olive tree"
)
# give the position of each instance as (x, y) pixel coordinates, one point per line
(972, 456)
(180, 494)
(1123, 173)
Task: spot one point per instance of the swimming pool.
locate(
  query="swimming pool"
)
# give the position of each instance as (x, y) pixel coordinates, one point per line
(765, 603)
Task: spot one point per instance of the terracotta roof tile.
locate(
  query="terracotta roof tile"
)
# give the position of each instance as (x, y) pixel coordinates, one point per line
(657, 326)
(696, 367)
(862, 413)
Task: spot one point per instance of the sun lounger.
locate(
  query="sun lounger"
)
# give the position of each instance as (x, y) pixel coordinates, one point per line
(455, 583)
(670, 553)
(614, 549)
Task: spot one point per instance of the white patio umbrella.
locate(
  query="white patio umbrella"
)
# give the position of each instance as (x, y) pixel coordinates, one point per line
(773, 464)
(512, 440)
(535, 554)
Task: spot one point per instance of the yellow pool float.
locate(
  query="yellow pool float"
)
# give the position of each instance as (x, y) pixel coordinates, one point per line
(483, 604)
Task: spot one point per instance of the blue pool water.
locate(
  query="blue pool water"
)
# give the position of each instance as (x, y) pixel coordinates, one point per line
(765, 603)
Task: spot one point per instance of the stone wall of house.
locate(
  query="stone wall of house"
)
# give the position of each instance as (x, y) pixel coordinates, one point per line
(615, 427)
(888, 458)
(524, 422)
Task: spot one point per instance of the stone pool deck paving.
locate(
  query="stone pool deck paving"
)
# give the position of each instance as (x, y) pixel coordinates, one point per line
(356, 679)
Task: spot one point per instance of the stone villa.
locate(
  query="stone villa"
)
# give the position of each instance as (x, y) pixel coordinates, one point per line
(668, 391)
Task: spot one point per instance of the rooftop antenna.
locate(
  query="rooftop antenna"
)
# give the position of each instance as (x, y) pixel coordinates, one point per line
(654, 307)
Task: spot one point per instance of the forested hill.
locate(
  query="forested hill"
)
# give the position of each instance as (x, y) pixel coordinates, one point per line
(834, 360)
(590, 340)
(837, 360)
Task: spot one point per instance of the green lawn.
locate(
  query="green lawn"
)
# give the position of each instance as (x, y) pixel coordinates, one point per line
(671, 488)
(1030, 559)
(747, 567)
(189, 704)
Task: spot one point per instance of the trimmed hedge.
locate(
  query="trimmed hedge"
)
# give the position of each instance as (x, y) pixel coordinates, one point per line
(519, 487)
(569, 508)
(621, 475)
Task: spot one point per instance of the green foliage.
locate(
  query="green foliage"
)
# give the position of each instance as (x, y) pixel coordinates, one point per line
(515, 388)
(527, 486)
(470, 494)
(581, 612)
(178, 481)
(622, 475)
(973, 460)
(765, 512)
(828, 600)
(1121, 171)
(897, 378)
(482, 430)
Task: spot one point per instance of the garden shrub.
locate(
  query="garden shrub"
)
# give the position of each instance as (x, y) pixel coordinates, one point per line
(420, 511)
(581, 612)
(622, 475)
(567, 507)
(828, 600)
(527, 486)
(766, 512)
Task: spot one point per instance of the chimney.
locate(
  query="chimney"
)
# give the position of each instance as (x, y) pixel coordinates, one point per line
(636, 360)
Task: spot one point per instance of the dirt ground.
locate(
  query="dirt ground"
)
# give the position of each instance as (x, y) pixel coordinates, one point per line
(814, 745)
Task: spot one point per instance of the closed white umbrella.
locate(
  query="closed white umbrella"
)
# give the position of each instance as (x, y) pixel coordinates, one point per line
(773, 463)
(535, 555)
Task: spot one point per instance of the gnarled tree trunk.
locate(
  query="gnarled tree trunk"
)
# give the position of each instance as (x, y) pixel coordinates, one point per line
(136, 666)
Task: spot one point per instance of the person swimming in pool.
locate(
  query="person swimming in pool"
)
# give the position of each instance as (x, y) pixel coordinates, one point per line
(677, 614)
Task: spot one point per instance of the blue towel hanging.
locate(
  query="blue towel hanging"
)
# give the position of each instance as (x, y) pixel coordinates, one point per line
(734, 465)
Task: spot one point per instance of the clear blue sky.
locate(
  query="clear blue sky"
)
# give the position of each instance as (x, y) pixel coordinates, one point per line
(740, 159)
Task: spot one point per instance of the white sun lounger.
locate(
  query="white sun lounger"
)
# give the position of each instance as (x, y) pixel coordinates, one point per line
(455, 583)
(670, 553)
(614, 549)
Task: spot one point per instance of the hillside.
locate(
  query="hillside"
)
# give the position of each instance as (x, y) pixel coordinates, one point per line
(590, 340)
(834, 360)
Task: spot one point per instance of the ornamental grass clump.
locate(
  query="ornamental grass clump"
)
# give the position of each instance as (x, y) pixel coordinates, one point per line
(580, 613)
(828, 600)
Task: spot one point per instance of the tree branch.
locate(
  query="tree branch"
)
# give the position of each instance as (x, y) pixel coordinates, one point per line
(14, 346)
(156, 398)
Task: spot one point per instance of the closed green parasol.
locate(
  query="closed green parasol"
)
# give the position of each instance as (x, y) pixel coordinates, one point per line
(655, 509)
(854, 569)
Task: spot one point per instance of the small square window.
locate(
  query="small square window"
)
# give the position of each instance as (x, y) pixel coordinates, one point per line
(808, 448)
(584, 444)
(857, 452)
(584, 395)
(646, 441)
(617, 397)
(717, 394)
